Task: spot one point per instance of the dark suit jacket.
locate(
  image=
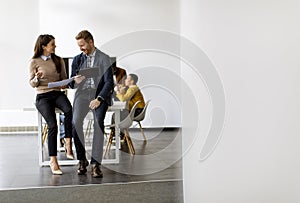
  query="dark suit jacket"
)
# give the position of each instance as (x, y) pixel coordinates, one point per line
(104, 79)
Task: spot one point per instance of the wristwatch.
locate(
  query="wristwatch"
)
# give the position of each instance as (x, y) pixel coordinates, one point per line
(99, 99)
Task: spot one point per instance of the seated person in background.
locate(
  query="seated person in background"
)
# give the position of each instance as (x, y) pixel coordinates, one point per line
(119, 75)
(131, 96)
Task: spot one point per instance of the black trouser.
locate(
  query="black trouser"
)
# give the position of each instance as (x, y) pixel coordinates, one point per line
(46, 104)
(80, 110)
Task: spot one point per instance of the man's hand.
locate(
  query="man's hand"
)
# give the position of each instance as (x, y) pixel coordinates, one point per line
(94, 104)
(79, 78)
(122, 90)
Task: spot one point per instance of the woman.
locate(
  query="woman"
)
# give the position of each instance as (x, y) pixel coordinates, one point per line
(47, 67)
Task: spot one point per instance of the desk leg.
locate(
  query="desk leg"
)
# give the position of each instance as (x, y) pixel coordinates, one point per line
(59, 149)
(117, 134)
(40, 143)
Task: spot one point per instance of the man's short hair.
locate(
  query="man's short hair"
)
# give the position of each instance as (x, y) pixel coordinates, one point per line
(134, 77)
(84, 34)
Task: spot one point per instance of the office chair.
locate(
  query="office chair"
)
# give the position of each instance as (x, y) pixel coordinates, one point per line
(141, 117)
(123, 125)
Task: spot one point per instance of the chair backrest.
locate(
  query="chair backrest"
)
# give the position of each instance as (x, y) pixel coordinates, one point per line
(141, 116)
(127, 122)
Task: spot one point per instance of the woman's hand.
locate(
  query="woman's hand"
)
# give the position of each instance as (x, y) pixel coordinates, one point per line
(64, 87)
(39, 74)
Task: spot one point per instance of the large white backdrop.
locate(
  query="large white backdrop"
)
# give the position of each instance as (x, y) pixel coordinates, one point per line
(255, 47)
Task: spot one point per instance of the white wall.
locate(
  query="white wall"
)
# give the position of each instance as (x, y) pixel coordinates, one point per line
(20, 26)
(106, 19)
(254, 45)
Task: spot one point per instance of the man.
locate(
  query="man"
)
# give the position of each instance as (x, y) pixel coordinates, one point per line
(93, 93)
(130, 93)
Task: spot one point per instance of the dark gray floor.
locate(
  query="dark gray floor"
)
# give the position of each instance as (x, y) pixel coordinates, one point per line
(158, 159)
(151, 191)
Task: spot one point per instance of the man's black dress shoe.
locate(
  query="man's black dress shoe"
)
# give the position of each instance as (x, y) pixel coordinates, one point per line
(96, 171)
(82, 167)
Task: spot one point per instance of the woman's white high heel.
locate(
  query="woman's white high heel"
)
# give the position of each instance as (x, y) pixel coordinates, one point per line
(55, 167)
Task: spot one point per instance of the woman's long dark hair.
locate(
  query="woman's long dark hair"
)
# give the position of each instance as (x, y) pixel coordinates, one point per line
(41, 41)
